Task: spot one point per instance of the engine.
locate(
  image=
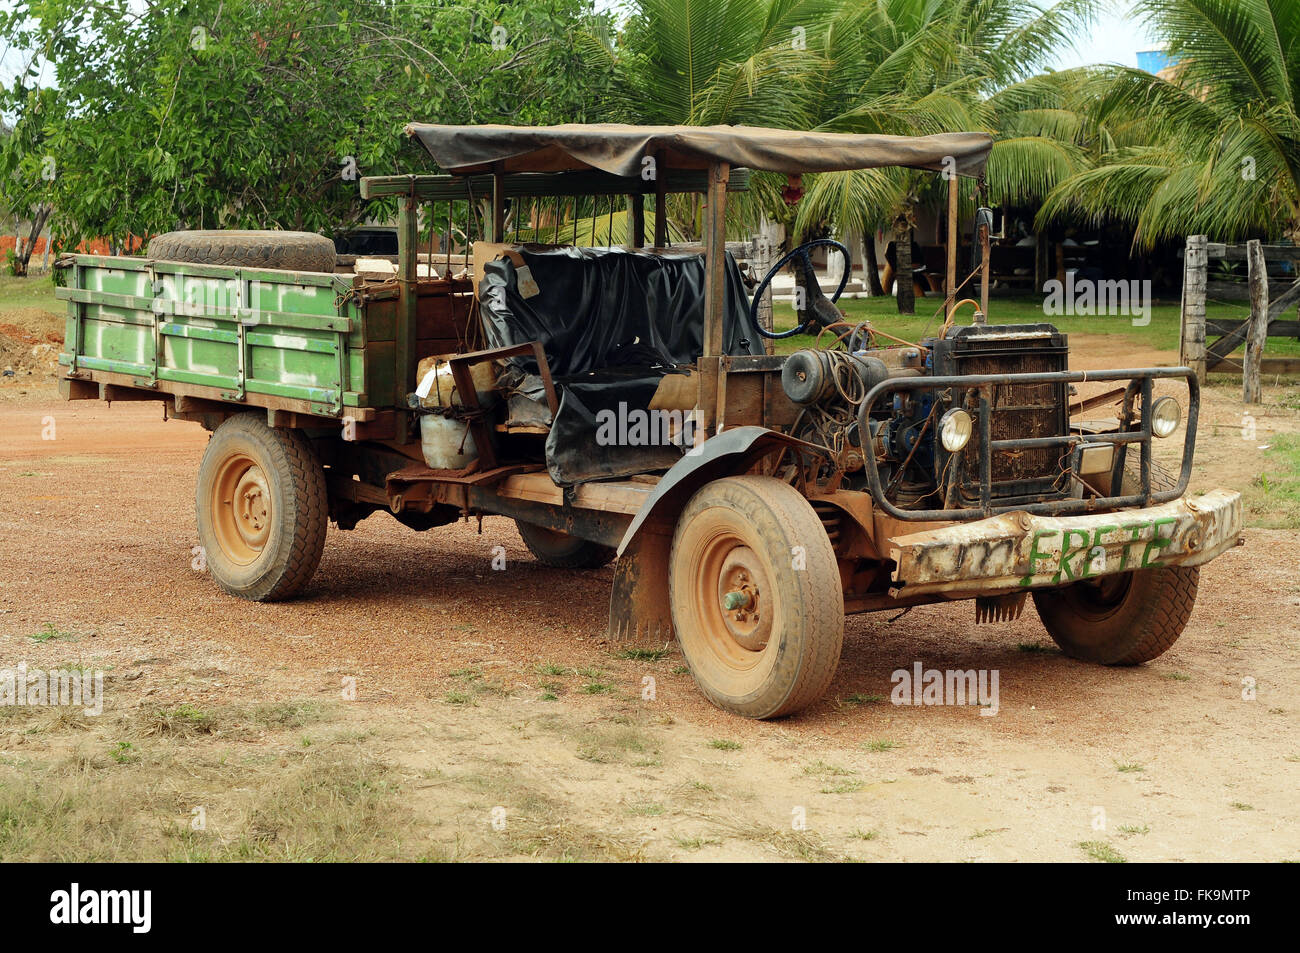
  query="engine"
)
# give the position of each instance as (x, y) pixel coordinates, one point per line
(903, 430)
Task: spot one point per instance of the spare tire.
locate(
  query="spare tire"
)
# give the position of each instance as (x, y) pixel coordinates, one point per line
(285, 251)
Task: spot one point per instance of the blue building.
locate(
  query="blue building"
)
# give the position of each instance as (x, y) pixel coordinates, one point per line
(1155, 61)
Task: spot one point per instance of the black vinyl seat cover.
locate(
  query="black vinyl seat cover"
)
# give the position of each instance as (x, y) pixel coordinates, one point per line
(612, 322)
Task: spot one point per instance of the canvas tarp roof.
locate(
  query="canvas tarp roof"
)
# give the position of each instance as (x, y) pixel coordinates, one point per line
(619, 149)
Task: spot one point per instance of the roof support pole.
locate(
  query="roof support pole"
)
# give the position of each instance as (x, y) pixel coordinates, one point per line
(636, 212)
(498, 205)
(950, 284)
(715, 260)
(661, 206)
(408, 249)
(711, 409)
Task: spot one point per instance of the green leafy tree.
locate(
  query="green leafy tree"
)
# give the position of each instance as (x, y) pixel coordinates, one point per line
(1213, 147)
(265, 113)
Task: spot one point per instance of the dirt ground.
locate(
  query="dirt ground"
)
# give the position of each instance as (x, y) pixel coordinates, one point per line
(492, 719)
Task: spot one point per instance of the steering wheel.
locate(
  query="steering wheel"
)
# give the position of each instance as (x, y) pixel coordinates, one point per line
(818, 311)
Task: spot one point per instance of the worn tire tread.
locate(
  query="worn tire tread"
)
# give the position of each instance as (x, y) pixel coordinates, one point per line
(281, 251)
(823, 609)
(303, 523)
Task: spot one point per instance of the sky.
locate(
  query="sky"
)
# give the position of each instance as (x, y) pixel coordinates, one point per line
(1114, 39)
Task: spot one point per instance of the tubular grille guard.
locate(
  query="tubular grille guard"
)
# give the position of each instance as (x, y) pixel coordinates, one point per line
(1140, 383)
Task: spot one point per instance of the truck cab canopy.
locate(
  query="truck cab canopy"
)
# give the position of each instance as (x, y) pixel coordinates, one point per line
(619, 149)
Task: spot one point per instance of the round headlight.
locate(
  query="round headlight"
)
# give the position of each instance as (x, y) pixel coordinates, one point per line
(1165, 416)
(955, 430)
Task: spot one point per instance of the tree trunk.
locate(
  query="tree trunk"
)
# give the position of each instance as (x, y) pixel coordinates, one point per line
(25, 250)
(906, 292)
(870, 266)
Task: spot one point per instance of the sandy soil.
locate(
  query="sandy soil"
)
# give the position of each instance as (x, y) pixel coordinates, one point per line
(482, 689)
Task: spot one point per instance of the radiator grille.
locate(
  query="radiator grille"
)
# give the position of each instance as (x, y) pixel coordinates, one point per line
(1017, 411)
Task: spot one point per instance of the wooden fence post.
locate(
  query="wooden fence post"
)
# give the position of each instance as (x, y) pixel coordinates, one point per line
(1257, 335)
(1192, 345)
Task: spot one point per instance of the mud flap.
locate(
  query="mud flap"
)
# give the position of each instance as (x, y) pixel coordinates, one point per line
(639, 612)
(1005, 608)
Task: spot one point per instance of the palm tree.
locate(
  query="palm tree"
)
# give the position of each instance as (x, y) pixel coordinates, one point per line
(912, 67)
(906, 67)
(1213, 148)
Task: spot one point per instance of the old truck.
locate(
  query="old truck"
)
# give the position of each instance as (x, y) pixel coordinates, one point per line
(623, 401)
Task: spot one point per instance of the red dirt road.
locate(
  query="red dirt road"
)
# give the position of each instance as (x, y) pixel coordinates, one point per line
(96, 537)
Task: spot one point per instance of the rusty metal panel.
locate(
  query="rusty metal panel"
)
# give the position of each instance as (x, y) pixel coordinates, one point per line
(1016, 551)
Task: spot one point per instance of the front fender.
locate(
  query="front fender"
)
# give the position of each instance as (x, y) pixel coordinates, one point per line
(639, 608)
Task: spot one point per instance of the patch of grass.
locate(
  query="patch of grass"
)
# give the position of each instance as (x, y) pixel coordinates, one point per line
(880, 744)
(456, 697)
(681, 670)
(860, 834)
(1037, 647)
(843, 787)
(1273, 497)
(466, 674)
(559, 838)
(1129, 767)
(123, 752)
(725, 744)
(606, 745)
(821, 767)
(642, 655)
(1134, 829)
(597, 688)
(646, 809)
(182, 720)
(796, 844)
(1161, 333)
(857, 698)
(696, 843)
(1101, 851)
(551, 669)
(291, 714)
(305, 806)
(49, 632)
(1176, 676)
(1241, 806)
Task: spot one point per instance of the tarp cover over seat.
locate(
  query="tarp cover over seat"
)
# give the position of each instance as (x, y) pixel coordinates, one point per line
(612, 323)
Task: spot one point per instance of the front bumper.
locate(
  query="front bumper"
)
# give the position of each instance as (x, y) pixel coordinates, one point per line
(1015, 551)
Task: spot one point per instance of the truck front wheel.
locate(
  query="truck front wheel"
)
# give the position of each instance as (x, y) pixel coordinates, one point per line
(756, 596)
(262, 509)
(1125, 619)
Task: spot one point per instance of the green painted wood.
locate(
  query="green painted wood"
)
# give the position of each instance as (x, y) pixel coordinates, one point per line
(244, 332)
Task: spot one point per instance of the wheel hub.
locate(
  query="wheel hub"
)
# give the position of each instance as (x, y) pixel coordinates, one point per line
(741, 599)
(252, 508)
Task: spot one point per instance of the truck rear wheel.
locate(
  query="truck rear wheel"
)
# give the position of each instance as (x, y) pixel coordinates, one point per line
(562, 550)
(262, 509)
(1125, 619)
(756, 597)
(286, 251)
